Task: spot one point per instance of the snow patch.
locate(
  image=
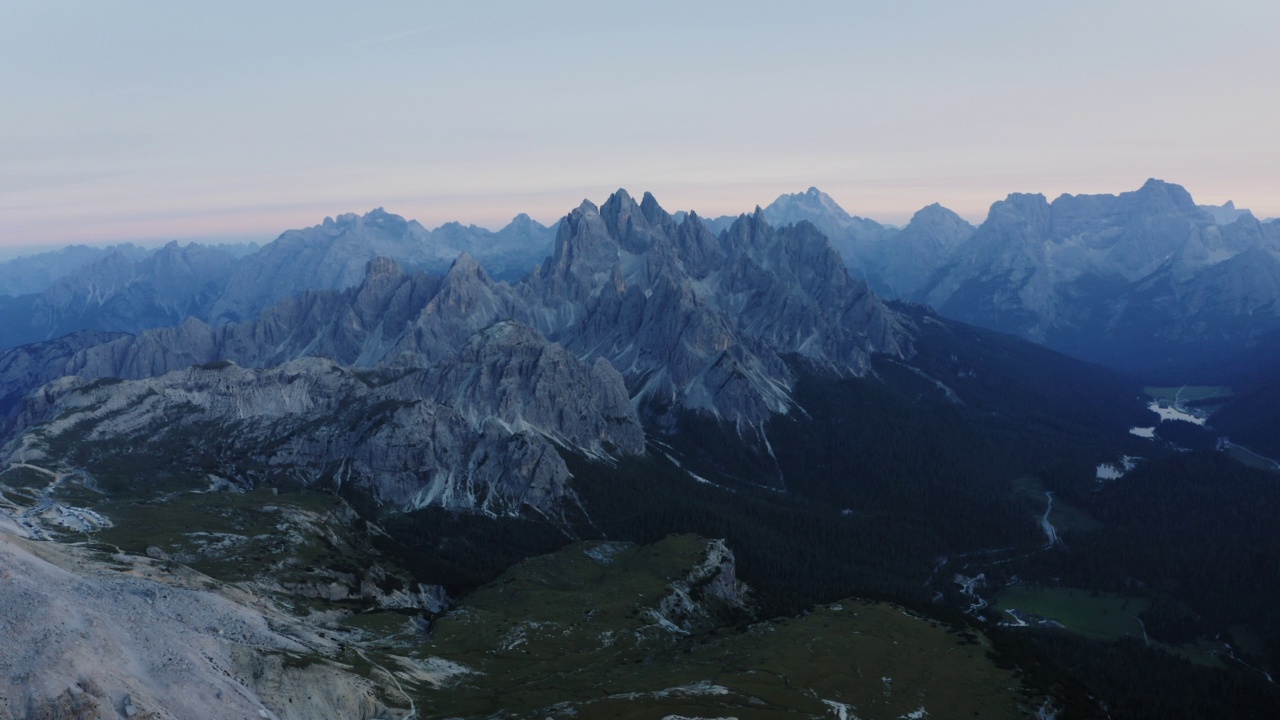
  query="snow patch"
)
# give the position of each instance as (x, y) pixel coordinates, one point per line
(1168, 413)
(969, 588)
(437, 671)
(1143, 432)
(1115, 471)
(693, 689)
(840, 710)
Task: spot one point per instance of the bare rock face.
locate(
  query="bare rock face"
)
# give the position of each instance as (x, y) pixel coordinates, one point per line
(528, 383)
(85, 641)
(702, 323)
(478, 433)
(710, 587)
(466, 302)
(30, 366)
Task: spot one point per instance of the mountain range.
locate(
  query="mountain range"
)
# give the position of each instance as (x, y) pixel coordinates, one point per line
(632, 310)
(365, 424)
(1146, 282)
(128, 289)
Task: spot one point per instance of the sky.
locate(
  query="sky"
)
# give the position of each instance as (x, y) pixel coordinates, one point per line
(151, 121)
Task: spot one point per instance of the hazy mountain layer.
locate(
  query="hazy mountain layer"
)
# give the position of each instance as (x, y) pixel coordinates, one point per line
(119, 292)
(334, 255)
(32, 274)
(1144, 281)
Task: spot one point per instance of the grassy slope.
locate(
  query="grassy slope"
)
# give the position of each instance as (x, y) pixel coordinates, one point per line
(568, 633)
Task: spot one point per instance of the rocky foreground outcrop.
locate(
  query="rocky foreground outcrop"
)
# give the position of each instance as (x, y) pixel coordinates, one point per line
(81, 640)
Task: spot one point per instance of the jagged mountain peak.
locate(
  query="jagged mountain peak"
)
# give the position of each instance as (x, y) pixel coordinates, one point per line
(621, 208)
(1226, 213)
(693, 320)
(1155, 197)
(375, 217)
(748, 228)
(1156, 185)
(1022, 202)
(859, 241)
(619, 196)
(1160, 195)
(522, 224)
(1094, 274)
(652, 211)
(812, 200)
(465, 268)
(377, 221)
(934, 211)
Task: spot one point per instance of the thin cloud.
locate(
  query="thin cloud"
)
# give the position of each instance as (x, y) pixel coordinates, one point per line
(393, 37)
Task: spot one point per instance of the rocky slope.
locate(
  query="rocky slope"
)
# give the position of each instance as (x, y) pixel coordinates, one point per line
(84, 638)
(606, 630)
(478, 433)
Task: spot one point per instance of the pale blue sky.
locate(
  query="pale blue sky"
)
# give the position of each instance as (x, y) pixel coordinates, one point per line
(157, 120)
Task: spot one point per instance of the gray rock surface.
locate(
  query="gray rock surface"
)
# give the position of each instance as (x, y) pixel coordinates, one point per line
(78, 639)
(477, 434)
